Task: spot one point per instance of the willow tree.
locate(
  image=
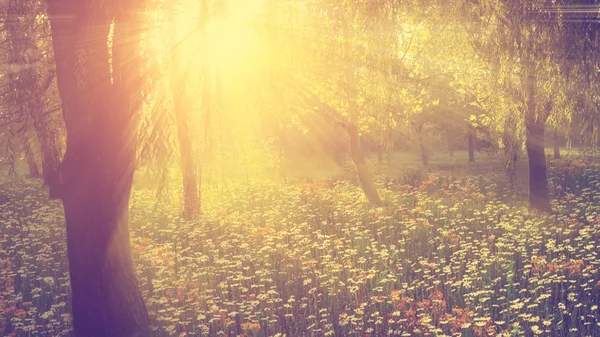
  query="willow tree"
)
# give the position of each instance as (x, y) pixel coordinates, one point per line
(320, 67)
(520, 42)
(346, 41)
(28, 84)
(99, 84)
(581, 41)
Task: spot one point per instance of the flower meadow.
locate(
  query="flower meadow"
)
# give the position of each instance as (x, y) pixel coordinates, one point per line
(444, 256)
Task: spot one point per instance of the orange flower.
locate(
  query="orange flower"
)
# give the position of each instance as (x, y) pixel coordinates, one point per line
(574, 267)
(20, 313)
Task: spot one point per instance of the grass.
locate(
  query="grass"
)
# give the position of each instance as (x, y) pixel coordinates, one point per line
(449, 254)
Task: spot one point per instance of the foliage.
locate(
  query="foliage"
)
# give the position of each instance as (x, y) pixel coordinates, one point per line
(30, 112)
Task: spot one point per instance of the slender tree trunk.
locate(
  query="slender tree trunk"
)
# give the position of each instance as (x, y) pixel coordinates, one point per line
(539, 196)
(471, 146)
(183, 103)
(362, 170)
(449, 141)
(48, 142)
(34, 169)
(424, 154)
(364, 176)
(280, 142)
(95, 177)
(556, 144)
(511, 151)
(191, 197)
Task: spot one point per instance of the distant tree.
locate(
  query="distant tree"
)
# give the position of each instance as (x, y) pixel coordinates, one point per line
(184, 103)
(519, 40)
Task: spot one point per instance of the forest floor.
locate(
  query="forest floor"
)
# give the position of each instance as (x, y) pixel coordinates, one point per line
(452, 252)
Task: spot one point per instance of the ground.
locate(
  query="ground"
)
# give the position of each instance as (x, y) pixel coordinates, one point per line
(452, 252)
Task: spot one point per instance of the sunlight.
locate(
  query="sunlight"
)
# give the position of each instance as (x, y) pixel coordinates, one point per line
(232, 44)
(299, 168)
(220, 40)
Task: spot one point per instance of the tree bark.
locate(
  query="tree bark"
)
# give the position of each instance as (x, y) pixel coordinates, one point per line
(539, 196)
(362, 170)
(95, 177)
(182, 104)
(47, 140)
(471, 146)
(556, 145)
(364, 176)
(191, 197)
(47, 137)
(34, 169)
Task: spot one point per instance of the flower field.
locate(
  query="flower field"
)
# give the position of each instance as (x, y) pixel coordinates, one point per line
(444, 256)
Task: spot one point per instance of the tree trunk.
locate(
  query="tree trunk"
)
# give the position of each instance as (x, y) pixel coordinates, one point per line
(48, 142)
(449, 141)
(183, 103)
(34, 169)
(424, 154)
(106, 300)
(362, 170)
(191, 197)
(539, 197)
(471, 146)
(95, 177)
(556, 144)
(364, 176)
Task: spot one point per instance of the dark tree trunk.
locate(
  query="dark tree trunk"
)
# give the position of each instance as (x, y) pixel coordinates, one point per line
(471, 146)
(34, 169)
(556, 144)
(106, 300)
(95, 177)
(364, 176)
(48, 143)
(539, 196)
(47, 137)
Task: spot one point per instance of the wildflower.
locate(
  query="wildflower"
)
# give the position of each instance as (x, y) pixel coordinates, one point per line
(20, 313)
(536, 330)
(574, 267)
